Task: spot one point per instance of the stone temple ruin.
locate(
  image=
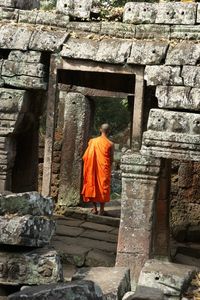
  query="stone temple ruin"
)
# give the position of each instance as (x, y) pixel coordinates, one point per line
(54, 62)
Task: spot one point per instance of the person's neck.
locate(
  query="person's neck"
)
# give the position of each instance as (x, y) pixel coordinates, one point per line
(103, 134)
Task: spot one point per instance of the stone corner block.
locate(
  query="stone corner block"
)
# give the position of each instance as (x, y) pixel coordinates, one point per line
(168, 277)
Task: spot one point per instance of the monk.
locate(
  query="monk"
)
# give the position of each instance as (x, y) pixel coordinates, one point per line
(97, 160)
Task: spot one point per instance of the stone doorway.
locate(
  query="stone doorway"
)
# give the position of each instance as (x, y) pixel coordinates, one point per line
(91, 80)
(80, 92)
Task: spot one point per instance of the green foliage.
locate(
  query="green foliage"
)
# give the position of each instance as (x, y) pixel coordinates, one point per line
(48, 4)
(112, 111)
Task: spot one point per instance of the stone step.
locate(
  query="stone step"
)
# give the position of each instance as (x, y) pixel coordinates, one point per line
(84, 214)
(30, 203)
(31, 231)
(35, 267)
(84, 254)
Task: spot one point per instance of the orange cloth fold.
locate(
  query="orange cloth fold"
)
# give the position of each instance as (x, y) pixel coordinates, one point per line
(97, 170)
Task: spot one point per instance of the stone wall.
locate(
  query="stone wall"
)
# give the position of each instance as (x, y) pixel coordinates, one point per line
(162, 38)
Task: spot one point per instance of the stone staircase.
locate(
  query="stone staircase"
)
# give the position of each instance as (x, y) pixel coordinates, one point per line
(86, 240)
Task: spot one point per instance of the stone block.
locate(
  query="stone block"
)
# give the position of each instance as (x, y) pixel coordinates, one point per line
(185, 32)
(137, 13)
(172, 135)
(147, 52)
(172, 279)
(114, 281)
(15, 37)
(163, 75)
(27, 57)
(28, 16)
(77, 8)
(191, 76)
(178, 97)
(113, 51)
(36, 267)
(12, 101)
(31, 203)
(99, 258)
(47, 40)
(31, 231)
(184, 53)
(10, 14)
(7, 3)
(152, 31)
(176, 13)
(13, 68)
(110, 51)
(145, 293)
(81, 49)
(52, 19)
(139, 167)
(73, 254)
(26, 82)
(120, 30)
(83, 290)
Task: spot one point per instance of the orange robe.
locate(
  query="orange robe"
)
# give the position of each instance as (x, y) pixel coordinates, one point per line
(97, 170)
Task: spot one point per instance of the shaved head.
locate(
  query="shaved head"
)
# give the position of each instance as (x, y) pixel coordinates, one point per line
(105, 128)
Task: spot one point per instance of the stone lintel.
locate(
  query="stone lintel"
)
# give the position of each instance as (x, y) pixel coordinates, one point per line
(168, 277)
(172, 134)
(31, 203)
(36, 267)
(106, 50)
(31, 231)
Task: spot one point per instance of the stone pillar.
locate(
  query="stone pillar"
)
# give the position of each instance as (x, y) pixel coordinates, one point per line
(139, 185)
(14, 104)
(76, 131)
(161, 232)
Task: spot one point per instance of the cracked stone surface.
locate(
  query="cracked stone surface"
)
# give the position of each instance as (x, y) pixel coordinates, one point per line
(30, 203)
(34, 267)
(172, 134)
(31, 231)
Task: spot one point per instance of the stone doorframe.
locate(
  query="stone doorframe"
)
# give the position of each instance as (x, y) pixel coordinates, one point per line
(58, 63)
